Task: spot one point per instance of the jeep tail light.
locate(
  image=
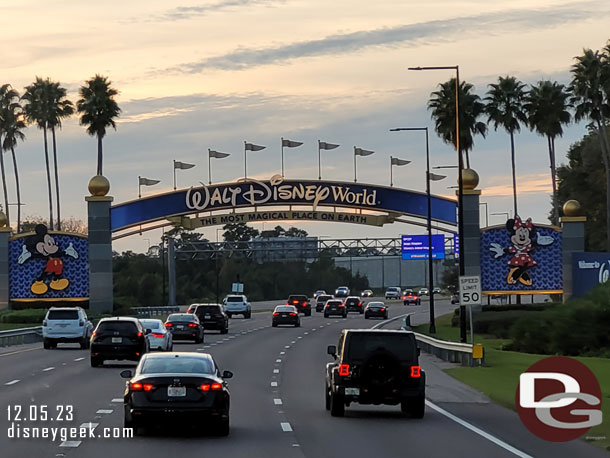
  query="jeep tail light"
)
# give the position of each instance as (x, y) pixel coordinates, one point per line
(382, 309)
(94, 334)
(344, 370)
(276, 313)
(360, 304)
(216, 386)
(341, 305)
(415, 371)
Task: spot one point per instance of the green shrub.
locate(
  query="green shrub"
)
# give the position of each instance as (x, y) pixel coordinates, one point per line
(24, 316)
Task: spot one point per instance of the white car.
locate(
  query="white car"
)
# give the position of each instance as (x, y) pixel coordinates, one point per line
(66, 324)
(158, 338)
(393, 292)
(423, 292)
(237, 304)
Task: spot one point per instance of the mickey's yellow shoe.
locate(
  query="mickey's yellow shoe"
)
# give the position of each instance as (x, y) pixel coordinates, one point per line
(39, 287)
(59, 284)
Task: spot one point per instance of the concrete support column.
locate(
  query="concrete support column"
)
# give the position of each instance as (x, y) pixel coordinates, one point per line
(573, 241)
(5, 233)
(171, 270)
(100, 246)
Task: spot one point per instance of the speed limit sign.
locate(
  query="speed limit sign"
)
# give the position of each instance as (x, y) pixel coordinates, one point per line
(470, 290)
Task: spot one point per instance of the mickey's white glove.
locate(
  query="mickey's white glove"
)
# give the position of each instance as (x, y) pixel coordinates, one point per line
(70, 251)
(496, 248)
(24, 256)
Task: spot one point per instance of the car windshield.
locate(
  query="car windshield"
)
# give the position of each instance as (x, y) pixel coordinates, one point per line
(123, 327)
(180, 317)
(62, 315)
(235, 299)
(352, 300)
(207, 309)
(334, 302)
(401, 346)
(376, 304)
(285, 309)
(324, 298)
(178, 365)
(151, 324)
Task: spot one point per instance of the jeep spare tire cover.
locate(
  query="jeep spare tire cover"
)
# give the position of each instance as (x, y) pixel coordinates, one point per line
(380, 370)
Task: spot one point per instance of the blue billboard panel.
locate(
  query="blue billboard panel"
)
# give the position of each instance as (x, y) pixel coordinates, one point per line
(588, 271)
(416, 246)
(456, 246)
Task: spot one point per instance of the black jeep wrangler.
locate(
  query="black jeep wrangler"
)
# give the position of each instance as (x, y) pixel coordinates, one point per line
(375, 367)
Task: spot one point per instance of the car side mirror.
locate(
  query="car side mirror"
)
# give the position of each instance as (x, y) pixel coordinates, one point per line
(147, 331)
(332, 351)
(418, 351)
(227, 374)
(126, 374)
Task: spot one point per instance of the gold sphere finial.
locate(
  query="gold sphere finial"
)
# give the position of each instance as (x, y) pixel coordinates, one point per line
(470, 179)
(99, 186)
(572, 208)
(3, 219)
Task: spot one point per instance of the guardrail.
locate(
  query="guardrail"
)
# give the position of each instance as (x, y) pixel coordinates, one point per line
(20, 336)
(454, 352)
(155, 311)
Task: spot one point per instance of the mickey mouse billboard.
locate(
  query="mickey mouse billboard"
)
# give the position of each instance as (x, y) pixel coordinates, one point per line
(48, 265)
(521, 258)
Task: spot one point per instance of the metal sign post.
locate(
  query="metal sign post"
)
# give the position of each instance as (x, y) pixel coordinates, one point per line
(470, 294)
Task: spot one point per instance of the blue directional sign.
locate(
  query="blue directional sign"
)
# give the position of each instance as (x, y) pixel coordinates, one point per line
(416, 246)
(456, 246)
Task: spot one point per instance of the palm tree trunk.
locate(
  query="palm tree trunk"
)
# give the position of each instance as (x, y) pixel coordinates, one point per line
(18, 189)
(99, 154)
(603, 140)
(56, 179)
(4, 188)
(554, 179)
(512, 160)
(46, 157)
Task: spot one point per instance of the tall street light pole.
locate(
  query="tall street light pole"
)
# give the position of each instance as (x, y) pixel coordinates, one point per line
(460, 183)
(429, 176)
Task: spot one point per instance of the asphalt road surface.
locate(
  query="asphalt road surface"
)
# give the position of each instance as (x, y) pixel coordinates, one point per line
(277, 404)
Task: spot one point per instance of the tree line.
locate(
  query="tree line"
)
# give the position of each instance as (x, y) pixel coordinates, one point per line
(44, 103)
(544, 107)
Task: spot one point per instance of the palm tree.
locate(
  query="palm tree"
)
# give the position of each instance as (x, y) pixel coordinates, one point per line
(442, 104)
(589, 77)
(98, 110)
(547, 106)
(36, 97)
(11, 124)
(59, 108)
(505, 109)
(7, 94)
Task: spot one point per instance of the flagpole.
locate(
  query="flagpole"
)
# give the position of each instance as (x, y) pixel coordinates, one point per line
(139, 188)
(245, 170)
(391, 182)
(354, 164)
(209, 167)
(282, 156)
(319, 163)
(174, 174)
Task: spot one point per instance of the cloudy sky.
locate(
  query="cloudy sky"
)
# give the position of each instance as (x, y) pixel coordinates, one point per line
(196, 74)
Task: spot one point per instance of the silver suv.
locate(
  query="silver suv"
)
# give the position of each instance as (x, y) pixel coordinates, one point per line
(66, 324)
(237, 304)
(393, 292)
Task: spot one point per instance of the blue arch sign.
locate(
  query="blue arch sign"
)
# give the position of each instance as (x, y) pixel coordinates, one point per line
(276, 191)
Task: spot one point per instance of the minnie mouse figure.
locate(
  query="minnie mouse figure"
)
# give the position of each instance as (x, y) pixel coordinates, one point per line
(42, 245)
(524, 241)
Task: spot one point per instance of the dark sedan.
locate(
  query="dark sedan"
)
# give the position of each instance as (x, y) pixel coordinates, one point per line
(285, 314)
(335, 307)
(184, 326)
(376, 309)
(185, 388)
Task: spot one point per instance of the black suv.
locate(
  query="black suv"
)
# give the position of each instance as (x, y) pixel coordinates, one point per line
(354, 304)
(301, 302)
(213, 316)
(321, 301)
(375, 367)
(118, 338)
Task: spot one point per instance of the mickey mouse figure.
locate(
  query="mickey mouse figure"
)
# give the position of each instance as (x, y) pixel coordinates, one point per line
(524, 240)
(43, 246)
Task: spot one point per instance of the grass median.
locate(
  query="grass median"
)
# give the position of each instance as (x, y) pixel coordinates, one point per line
(499, 377)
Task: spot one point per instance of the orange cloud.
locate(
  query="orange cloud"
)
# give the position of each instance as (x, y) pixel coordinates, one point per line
(526, 184)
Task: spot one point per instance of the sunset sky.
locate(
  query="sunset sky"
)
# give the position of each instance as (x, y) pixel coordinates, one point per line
(199, 74)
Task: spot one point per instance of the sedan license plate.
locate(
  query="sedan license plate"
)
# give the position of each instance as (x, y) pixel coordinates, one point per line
(179, 327)
(176, 391)
(117, 339)
(352, 391)
(207, 316)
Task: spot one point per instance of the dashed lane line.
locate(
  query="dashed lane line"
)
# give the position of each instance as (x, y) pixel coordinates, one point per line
(12, 382)
(282, 353)
(116, 400)
(276, 371)
(105, 411)
(89, 425)
(286, 427)
(20, 351)
(70, 443)
(273, 383)
(79, 359)
(277, 402)
(278, 360)
(48, 369)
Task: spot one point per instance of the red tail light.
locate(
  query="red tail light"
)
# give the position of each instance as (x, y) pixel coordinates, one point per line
(287, 302)
(94, 334)
(155, 334)
(293, 314)
(359, 304)
(192, 325)
(139, 334)
(341, 305)
(276, 313)
(204, 387)
(168, 325)
(382, 310)
(213, 387)
(404, 297)
(304, 304)
(136, 386)
(148, 387)
(415, 371)
(295, 302)
(344, 370)
(216, 386)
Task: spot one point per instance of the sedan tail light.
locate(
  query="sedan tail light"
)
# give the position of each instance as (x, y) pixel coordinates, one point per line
(415, 371)
(276, 313)
(155, 334)
(213, 387)
(293, 314)
(137, 386)
(192, 325)
(168, 325)
(344, 370)
(359, 304)
(382, 310)
(341, 305)
(94, 334)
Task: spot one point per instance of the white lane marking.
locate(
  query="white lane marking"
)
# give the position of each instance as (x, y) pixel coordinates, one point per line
(79, 359)
(478, 431)
(20, 351)
(293, 342)
(273, 383)
(314, 329)
(48, 369)
(105, 411)
(282, 353)
(278, 360)
(277, 402)
(117, 400)
(286, 346)
(299, 337)
(70, 444)
(12, 382)
(207, 346)
(295, 445)
(89, 425)
(307, 332)
(212, 345)
(201, 349)
(286, 427)
(276, 371)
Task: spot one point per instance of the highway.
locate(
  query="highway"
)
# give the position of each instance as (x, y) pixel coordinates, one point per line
(277, 403)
